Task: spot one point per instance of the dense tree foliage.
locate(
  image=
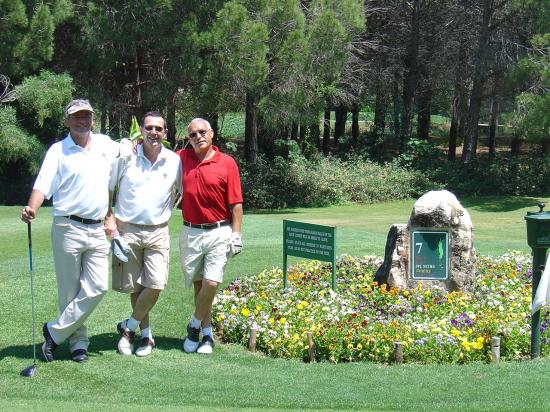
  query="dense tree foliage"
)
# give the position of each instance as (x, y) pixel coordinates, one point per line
(292, 66)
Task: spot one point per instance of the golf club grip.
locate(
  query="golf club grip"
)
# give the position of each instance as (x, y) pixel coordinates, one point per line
(30, 244)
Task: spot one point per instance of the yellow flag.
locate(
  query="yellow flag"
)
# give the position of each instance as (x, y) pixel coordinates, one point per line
(134, 129)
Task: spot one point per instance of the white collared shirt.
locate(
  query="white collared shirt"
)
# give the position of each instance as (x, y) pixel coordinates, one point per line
(145, 195)
(78, 178)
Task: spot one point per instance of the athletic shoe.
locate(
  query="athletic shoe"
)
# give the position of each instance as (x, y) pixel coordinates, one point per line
(126, 343)
(80, 355)
(206, 346)
(145, 347)
(49, 344)
(191, 342)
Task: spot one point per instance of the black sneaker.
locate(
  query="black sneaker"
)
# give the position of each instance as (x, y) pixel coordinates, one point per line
(207, 345)
(80, 355)
(191, 342)
(49, 344)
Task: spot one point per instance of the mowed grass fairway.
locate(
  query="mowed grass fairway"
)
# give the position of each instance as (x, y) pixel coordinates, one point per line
(232, 378)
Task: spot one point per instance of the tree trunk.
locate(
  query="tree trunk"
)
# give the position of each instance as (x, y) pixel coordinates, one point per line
(424, 114)
(265, 137)
(458, 104)
(515, 145)
(171, 121)
(411, 76)
(114, 125)
(453, 132)
(340, 115)
(294, 131)
(493, 119)
(478, 79)
(355, 126)
(380, 107)
(103, 121)
(315, 134)
(396, 111)
(326, 133)
(251, 130)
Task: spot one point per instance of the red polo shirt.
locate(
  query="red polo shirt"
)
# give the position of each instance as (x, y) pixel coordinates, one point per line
(209, 187)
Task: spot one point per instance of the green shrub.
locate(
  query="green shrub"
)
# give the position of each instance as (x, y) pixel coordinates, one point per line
(299, 182)
(502, 174)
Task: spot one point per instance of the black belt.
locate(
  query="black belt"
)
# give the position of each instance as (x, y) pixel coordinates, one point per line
(83, 220)
(207, 226)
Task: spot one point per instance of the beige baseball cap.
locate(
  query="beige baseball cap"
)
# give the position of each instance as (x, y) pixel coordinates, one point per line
(77, 105)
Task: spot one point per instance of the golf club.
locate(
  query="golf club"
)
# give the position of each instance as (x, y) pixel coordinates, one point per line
(30, 370)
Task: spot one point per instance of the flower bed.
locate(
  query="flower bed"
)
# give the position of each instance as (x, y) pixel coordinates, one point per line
(363, 319)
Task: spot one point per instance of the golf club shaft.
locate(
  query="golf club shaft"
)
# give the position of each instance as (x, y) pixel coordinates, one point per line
(32, 295)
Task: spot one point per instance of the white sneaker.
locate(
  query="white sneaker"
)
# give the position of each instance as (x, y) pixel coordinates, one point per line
(207, 345)
(126, 342)
(191, 342)
(146, 347)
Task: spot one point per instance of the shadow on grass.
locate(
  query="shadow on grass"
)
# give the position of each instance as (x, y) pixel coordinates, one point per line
(501, 204)
(99, 344)
(108, 342)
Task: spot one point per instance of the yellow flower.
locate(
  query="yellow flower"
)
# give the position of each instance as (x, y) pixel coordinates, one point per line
(465, 344)
(220, 316)
(259, 307)
(477, 345)
(282, 320)
(455, 332)
(350, 345)
(405, 293)
(271, 321)
(359, 346)
(245, 312)
(299, 306)
(305, 303)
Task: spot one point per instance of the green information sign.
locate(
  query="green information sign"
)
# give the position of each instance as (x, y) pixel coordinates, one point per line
(311, 242)
(429, 254)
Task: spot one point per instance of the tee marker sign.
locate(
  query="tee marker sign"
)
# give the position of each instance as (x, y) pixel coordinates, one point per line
(311, 242)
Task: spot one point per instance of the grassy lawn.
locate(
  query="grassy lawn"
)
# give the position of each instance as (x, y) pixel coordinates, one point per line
(233, 378)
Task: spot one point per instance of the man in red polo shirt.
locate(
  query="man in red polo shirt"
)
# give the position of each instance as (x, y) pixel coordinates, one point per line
(212, 217)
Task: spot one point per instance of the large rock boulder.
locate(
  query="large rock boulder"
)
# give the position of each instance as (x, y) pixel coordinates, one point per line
(438, 211)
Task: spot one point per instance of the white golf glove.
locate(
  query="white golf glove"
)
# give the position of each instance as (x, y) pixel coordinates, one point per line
(120, 248)
(235, 244)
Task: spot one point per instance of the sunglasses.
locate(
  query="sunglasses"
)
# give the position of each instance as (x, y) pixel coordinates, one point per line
(156, 128)
(195, 134)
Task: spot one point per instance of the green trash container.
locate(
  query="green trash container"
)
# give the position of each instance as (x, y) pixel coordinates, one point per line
(538, 238)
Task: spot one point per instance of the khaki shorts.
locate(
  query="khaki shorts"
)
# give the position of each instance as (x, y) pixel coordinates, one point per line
(204, 253)
(147, 264)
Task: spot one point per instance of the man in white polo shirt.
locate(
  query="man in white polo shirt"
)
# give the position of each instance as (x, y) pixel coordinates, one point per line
(75, 172)
(146, 181)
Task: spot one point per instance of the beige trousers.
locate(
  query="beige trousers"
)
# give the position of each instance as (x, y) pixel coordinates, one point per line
(81, 265)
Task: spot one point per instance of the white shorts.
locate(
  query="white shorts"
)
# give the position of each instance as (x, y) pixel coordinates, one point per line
(204, 253)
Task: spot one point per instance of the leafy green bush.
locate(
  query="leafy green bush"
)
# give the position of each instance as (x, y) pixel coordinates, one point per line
(20, 156)
(502, 174)
(299, 182)
(16, 144)
(362, 319)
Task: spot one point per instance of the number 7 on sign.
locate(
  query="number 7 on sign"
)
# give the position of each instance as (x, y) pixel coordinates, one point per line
(419, 244)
